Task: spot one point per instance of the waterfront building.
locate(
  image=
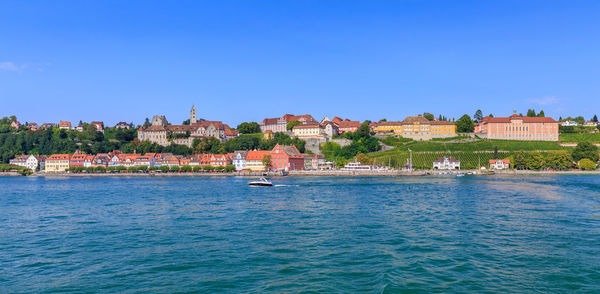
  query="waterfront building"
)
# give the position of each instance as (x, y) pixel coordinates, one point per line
(64, 125)
(517, 127)
(499, 163)
(254, 160)
(313, 161)
(57, 163)
(279, 124)
(286, 158)
(76, 159)
(32, 162)
(221, 159)
(101, 159)
(446, 163)
(239, 160)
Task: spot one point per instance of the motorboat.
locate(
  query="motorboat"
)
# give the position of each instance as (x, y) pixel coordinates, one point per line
(262, 182)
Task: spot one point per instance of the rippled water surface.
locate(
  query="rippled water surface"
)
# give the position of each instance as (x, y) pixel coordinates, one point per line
(215, 235)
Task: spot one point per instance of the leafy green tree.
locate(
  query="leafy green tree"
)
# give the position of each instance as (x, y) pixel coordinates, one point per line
(174, 169)
(478, 116)
(531, 113)
(534, 160)
(595, 118)
(248, 128)
(164, 168)
(364, 159)
(559, 159)
(230, 168)
(585, 150)
(290, 125)
(186, 168)
(587, 164)
(464, 124)
(428, 116)
(220, 168)
(197, 168)
(208, 168)
(132, 169)
(186, 122)
(206, 145)
(266, 161)
(364, 131)
(541, 114)
(520, 161)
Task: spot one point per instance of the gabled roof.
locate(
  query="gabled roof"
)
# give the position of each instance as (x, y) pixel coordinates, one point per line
(349, 124)
(59, 157)
(414, 119)
(257, 155)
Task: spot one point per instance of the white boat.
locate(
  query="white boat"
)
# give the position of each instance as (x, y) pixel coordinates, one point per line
(262, 182)
(356, 166)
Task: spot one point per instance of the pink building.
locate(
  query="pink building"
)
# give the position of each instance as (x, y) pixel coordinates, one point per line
(286, 158)
(517, 127)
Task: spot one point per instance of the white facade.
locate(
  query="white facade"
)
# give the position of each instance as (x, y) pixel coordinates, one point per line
(446, 163)
(239, 160)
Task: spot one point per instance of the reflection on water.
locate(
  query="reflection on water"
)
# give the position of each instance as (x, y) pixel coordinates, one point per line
(418, 234)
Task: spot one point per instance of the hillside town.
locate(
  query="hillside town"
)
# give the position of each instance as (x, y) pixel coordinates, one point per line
(290, 143)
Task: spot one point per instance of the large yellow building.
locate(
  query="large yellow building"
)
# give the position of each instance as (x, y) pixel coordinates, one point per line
(254, 160)
(57, 163)
(418, 128)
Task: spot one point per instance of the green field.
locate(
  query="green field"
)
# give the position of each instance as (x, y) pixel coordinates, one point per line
(579, 137)
(479, 145)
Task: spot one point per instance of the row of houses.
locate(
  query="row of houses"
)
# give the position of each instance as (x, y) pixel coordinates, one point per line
(417, 128)
(66, 125)
(281, 158)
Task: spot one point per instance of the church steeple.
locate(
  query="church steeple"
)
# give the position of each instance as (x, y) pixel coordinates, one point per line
(193, 115)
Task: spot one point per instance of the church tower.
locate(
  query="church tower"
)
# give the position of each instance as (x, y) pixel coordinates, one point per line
(193, 115)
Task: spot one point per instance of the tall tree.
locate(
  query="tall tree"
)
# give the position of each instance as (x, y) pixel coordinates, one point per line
(428, 116)
(248, 128)
(266, 161)
(541, 114)
(595, 119)
(478, 116)
(531, 113)
(585, 150)
(464, 124)
(146, 123)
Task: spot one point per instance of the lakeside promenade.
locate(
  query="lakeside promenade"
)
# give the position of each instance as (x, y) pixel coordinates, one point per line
(331, 173)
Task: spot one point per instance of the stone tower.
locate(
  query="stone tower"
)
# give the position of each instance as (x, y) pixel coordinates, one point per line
(193, 115)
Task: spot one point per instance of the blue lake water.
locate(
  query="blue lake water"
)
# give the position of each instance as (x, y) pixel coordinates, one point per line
(370, 235)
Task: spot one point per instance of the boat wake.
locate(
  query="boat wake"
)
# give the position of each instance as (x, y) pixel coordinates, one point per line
(286, 185)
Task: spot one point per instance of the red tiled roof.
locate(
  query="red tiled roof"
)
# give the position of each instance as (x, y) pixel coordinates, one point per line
(525, 119)
(59, 157)
(349, 124)
(256, 155)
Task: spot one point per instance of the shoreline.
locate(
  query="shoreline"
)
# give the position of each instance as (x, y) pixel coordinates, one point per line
(419, 173)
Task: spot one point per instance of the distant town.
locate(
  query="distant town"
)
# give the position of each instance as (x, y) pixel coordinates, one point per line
(301, 142)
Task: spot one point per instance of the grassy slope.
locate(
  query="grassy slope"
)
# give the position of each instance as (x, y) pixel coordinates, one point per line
(579, 137)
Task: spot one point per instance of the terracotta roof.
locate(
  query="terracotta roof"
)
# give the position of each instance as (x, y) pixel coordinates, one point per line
(59, 157)
(257, 155)
(413, 119)
(291, 150)
(154, 129)
(525, 119)
(308, 126)
(230, 132)
(503, 160)
(441, 122)
(390, 123)
(65, 124)
(349, 124)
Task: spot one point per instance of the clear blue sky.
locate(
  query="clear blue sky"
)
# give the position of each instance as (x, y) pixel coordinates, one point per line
(247, 60)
